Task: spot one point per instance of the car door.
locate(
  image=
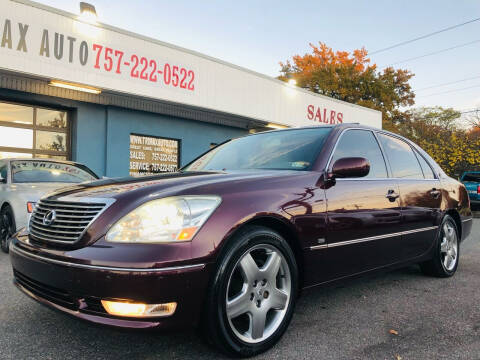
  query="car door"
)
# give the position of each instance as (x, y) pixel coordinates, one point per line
(420, 195)
(363, 214)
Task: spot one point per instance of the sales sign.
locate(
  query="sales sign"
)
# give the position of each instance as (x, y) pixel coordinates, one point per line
(151, 155)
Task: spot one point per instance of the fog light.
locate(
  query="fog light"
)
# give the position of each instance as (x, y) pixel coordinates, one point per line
(123, 308)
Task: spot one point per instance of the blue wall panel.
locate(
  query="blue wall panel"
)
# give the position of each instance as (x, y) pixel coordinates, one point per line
(89, 134)
(195, 136)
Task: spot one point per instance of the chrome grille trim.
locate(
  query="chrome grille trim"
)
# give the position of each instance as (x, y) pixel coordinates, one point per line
(44, 229)
(41, 213)
(65, 211)
(46, 202)
(71, 221)
(73, 218)
(54, 226)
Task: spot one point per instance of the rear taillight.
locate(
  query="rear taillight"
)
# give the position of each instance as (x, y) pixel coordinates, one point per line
(478, 189)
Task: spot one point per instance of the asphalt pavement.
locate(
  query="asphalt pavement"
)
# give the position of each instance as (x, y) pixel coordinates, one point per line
(398, 315)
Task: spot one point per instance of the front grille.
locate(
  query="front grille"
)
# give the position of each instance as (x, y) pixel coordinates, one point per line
(71, 220)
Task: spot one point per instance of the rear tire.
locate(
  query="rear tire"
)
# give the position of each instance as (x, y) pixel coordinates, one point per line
(7, 227)
(446, 253)
(253, 293)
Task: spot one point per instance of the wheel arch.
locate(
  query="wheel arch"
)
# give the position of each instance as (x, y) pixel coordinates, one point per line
(8, 204)
(5, 204)
(281, 226)
(458, 221)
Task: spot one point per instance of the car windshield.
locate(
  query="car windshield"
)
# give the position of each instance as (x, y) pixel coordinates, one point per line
(471, 177)
(31, 171)
(279, 150)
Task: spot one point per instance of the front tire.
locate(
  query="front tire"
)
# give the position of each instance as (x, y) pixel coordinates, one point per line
(7, 227)
(447, 251)
(253, 294)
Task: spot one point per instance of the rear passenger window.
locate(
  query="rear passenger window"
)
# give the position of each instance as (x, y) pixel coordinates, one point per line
(362, 143)
(427, 170)
(403, 161)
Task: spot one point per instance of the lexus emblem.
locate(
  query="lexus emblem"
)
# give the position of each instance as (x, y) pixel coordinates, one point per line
(49, 217)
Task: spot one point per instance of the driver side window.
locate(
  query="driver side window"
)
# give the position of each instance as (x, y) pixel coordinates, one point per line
(362, 143)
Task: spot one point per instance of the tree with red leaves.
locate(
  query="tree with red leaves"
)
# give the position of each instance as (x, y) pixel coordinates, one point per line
(350, 77)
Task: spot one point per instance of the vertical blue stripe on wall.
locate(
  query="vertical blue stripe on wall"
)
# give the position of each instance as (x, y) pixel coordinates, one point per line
(89, 133)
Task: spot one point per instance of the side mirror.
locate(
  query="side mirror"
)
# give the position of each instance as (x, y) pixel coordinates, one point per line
(351, 167)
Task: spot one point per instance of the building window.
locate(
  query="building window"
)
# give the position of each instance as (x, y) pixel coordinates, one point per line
(32, 131)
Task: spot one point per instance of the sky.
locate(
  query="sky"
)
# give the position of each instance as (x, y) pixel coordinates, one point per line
(259, 34)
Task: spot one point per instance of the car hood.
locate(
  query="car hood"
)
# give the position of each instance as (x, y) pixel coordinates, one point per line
(166, 183)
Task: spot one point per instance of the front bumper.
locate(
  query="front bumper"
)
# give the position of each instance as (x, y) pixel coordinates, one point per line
(77, 289)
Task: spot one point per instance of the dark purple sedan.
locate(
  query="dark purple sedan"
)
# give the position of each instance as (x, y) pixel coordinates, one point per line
(228, 242)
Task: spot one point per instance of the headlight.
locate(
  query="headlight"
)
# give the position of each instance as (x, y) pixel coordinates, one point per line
(165, 220)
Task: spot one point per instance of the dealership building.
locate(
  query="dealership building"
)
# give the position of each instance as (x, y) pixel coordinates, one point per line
(121, 103)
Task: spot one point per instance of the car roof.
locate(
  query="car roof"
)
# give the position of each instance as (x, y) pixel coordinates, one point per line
(333, 126)
(340, 127)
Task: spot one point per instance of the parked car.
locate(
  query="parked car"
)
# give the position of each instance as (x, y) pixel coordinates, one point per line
(24, 181)
(471, 180)
(228, 242)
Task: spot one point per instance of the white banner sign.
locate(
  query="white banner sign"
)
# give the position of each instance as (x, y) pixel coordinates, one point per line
(55, 45)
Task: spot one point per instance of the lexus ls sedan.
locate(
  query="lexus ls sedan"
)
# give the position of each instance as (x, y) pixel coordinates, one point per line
(228, 242)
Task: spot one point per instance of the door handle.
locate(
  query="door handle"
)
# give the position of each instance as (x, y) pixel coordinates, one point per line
(435, 193)
(392, 195)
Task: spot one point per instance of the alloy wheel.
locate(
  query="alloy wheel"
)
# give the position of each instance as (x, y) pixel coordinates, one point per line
(258, 293)
(449, 247)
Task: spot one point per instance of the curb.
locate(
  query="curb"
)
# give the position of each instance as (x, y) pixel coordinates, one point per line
(476, 214)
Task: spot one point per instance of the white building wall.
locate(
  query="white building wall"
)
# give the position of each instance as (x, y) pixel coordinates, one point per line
(209, 83)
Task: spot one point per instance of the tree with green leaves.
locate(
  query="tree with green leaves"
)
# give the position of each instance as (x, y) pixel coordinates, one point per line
(436, 130)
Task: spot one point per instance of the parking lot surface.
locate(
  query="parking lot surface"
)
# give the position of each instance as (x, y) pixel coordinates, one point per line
(398, 315)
